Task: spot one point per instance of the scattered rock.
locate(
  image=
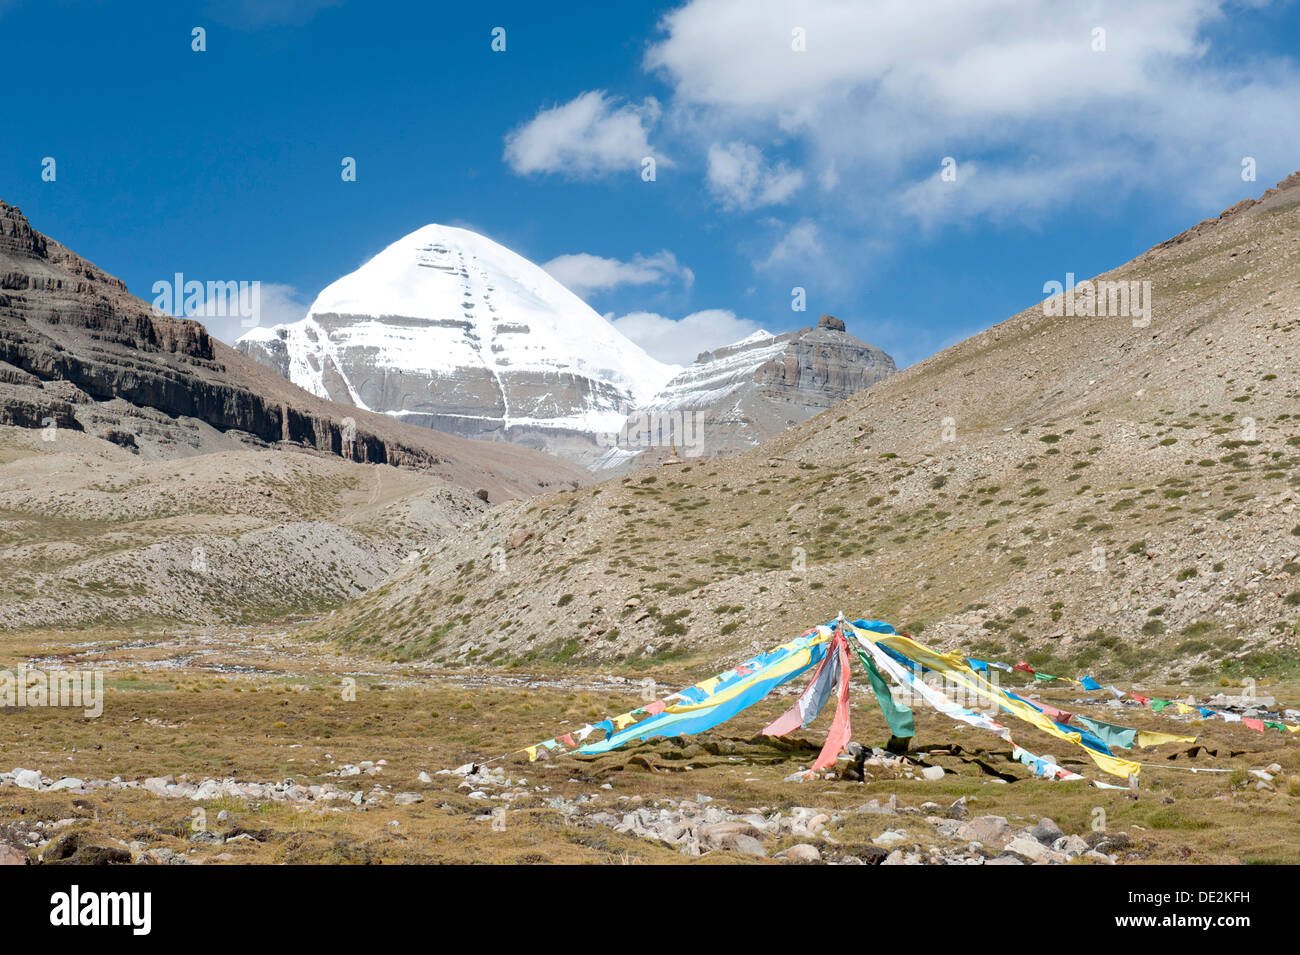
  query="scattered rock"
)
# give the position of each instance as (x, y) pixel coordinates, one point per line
(804, 852)
(719, 833)
(162, 856)
(1108, 842)
(890, 837)
(12, 855)
(888, 808)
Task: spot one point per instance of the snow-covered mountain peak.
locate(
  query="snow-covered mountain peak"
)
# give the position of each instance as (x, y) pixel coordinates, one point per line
(443, 273)
(449, 329)
(761, 335)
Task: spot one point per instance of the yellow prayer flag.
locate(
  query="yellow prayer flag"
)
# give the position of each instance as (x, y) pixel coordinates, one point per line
(707, 686)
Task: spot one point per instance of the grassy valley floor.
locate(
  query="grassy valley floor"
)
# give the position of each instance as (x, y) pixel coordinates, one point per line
(261, 705)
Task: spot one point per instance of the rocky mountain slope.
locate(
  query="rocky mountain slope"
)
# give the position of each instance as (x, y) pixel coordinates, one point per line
(449, 330)
(734, 398)
(79, 353)
(1105, 493)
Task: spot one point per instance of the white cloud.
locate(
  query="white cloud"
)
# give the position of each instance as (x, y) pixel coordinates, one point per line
(586, 137)
(948, 55)
(584, 274)
(742, 179)
(680, 341)
(282, 304)
(886, 89)
(224, 317)
(801, 245)
(1027, 191)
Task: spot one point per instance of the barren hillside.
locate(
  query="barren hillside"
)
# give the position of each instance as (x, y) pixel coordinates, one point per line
(92, 534)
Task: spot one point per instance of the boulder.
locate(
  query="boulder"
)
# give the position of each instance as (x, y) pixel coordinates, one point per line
(1027, 848)
(739, 842)
(1046, 831)
(1071, 845)
(991, 831)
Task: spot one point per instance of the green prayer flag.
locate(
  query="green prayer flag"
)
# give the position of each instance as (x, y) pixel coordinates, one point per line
(898, 717)
(1122, 736)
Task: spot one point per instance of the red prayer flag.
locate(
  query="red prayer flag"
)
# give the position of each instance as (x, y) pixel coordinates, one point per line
(1059, 715)
(840, 732)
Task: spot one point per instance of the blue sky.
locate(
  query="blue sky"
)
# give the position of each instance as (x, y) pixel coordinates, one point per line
(776, 166)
